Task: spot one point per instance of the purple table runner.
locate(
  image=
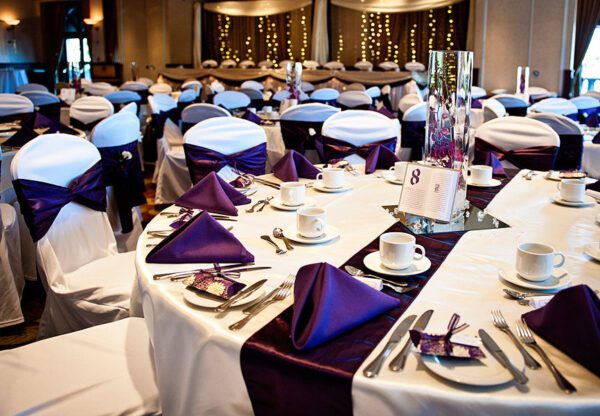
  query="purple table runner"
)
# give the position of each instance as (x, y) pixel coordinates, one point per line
(283, 381)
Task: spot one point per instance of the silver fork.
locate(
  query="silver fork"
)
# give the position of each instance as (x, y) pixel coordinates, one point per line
(527, 338)
(284, 290)
(500, 323)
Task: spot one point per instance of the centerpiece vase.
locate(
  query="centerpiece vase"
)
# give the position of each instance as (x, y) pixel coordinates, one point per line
(448, 113)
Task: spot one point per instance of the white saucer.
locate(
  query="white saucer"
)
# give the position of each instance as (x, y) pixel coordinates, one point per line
(391, 178)
(491, 184)
(484, 372)
(276, 203)
(208, 302)
(592, 250)
(553, 283)
(373, 263)
(330, 233)
(346, 186)
(587, 201)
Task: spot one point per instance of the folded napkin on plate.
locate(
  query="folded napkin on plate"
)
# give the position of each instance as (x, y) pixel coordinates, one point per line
(213, 194)
(571, 322)
(293, 166)
(25, 134)
(250, 116)
(329, 302)
(200, 240)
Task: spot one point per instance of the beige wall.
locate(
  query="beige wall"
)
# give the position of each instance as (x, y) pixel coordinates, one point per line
(27, 33)
(537, 33)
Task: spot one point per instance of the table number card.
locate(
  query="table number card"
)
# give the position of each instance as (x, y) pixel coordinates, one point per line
(429, 191)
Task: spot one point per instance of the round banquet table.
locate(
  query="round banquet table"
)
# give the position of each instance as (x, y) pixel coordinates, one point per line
(198, 359)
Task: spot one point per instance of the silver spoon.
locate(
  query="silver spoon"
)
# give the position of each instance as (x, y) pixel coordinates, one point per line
(278, 233)
(273, 243)
(399, 287)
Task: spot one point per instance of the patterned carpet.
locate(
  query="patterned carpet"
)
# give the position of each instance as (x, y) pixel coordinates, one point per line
(34, 296)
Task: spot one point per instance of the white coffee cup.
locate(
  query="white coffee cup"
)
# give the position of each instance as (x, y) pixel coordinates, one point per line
(398, 250)
(572, 190)
(311, 222)
(332, 177)
(481, 174)
(535, 261)
(292, 193)
(399, 170)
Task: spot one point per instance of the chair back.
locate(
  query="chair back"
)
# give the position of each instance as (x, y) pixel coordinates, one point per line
(414, 66)
(247, 64)
(192, 84)
(187, 96)
(161, 102)
(120, 99)
(585, 102)
(252, 93)
(30, 87)
(252, 85)
(265, 64)
(195, 113)
(514, 105)
(228, 63)
(492, 109)
(408, 101)
(310, 64)
(307, 87)
(209, 63)
(45, 103)
(363, 66)
(136, 86)
(559, 106)
(300, 124)
(309, 112)
(537, 93)
(374, 92)
(285, 94)
(478, 93)
(354, 99)
(232, 100)
(116, 130)
(325, 95)
(413, 131)
(160, 88)
(389, 66)
(131, 108)
(13, 105)
(147, 81)
(86, 112)
(99, 89)
(355, 86)
(334, 66)
(570, 152)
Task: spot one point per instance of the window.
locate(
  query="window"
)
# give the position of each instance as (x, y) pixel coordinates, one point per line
(590, 69)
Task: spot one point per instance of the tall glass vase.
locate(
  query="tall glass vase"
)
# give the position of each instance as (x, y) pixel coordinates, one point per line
(448, 112)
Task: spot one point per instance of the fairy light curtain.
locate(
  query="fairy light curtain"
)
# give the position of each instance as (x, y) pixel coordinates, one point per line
(379, 36)
(274, 37)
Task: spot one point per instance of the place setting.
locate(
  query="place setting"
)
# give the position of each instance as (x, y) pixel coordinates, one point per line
(311, 227)
(292, 197)
(395, 174)
(399, 255)
(480, 176)
(332, 180)
(571, 193)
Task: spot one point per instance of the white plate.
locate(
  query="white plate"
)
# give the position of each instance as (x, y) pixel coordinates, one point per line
(330, 233)
(250, 190)
(346, 186)
(587, 201)
(484, 372)
(552, 284)
(592, 250)
(276, 203)
(207, 302)
(391, 177)
(373, 263)
(491, 184)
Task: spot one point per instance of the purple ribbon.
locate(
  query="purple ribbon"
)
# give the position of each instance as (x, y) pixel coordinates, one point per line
(377, 155)
(201, 161)
(41, 202)
(535, 158)
(296, 134)
(589, 116)
(125, 176)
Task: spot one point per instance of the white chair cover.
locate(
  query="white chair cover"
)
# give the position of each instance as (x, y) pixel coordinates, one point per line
(104, 370)
(232, 100)
(121, 97)
(316, 112)
(187, 96)
(477, 92)
(30, 87)
(11, 270)
(408, 101)
(511, 100)
(171, 173)
(117, 130)
(247, 64)
(492, 109)
(99, 89)
(307, 87)
(41, 97)
(265, 64)
(414, 66)
(87, 282)
(360, 127)
(363, 66)
(537, 93)
(353, 99)
(325, 94)
(389, 66)
(560, 124)
(68, 95)
(160, 88)
(560, 106)
(252, 85)
(90, 109)
(584, 102)
(417, 112)
(374, 92)
(161, 102)
(226, 135)
(196, 113)
(216, 87)
(147, 81)
(411, 87)
(252, 94)
(285, 94)
(310, 64)
(192, 84)
(134, 86)
(14, 104)
(129, 108)
(209, 63)
(228, 63)
(335, 66)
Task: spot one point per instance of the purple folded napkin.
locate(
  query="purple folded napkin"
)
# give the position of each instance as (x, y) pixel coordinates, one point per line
(571, 322)
(293, 166)
(492, 160)
(593, 186)
(380, 157)
(329, 302)
(476, 104)
(200, 240)
(250, 116)
(213, 194)
(596, 139)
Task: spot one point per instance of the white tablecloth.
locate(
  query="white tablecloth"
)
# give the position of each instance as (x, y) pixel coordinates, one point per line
(193, 371)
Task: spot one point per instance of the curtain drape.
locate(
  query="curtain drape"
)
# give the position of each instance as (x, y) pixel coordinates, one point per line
(197, 33)
(53, 27)
(320, 36)
(392, 6)
(588, 17)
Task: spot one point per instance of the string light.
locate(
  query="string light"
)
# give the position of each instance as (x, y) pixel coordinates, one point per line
(450, 34)
(363, 36)
(304, 35)
(413, 50)
(340, 48)
(388, 36)
(288, 34)
(249, 47)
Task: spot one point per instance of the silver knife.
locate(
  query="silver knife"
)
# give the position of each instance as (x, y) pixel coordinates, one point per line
(373, 368)
(501, 357)
(240, 295)
(399, 360)
(212, 269)
(224, 272)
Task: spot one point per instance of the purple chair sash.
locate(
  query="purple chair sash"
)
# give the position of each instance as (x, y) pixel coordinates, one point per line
(296, 134)
(589, 116)
(570, 152)
(573, 116)
(536, 158)
(84, 126)
(250, 116)
(51, 111)
(377, 155)
(124, 174)
(517, 111)
(413, 136)
(201, 161)
(41, 202)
